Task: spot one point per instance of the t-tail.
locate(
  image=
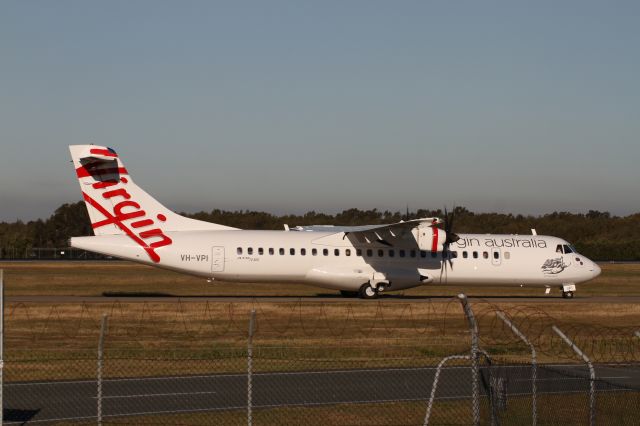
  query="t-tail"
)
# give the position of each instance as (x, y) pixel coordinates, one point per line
(121, 212)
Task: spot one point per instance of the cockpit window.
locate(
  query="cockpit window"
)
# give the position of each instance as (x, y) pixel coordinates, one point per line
(565, 248)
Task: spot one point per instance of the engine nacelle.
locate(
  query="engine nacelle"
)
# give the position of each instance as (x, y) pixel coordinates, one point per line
(430, 238)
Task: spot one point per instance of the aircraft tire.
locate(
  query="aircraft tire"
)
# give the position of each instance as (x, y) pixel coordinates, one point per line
(567, 294)
(368, 292)
(347, 293)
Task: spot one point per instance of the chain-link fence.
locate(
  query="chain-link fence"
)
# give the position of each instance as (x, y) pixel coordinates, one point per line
(298, 369)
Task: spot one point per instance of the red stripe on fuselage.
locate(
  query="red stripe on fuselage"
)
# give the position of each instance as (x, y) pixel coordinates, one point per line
(434, 242)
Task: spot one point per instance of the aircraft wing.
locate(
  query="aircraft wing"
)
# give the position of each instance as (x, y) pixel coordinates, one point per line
(374, 233)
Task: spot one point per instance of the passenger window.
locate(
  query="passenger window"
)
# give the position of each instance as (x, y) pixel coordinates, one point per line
(507, 255)
(423, 253)
(260, 251)
(292, 252)
(475, 254)
(347, 252)
(496, 254)
(281, 251)
(392, 252)
(358, 252)
(465, 254)
(412, 253)
(314, 252)
(485, 254)
(325, 252)
(250, 250)
(336, 252)
(303, 252)
(239, 250)
(402, 253)
(454, 254)
(271, 251)
(369, 252)
(380, 252)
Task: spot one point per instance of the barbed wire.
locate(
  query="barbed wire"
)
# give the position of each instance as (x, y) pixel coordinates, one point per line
(602, 343)
(442, 319)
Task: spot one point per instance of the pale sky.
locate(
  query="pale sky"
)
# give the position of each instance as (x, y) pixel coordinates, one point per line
(290, 106)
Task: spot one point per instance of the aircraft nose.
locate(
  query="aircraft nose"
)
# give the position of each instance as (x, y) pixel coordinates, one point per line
(596, 270)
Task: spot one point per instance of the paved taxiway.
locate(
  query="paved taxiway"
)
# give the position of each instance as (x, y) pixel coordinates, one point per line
(75, 400)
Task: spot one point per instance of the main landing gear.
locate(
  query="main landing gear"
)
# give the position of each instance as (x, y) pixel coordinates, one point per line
(367, 291)
(373, 288)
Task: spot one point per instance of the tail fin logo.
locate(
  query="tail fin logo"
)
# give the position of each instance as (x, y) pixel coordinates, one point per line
(140, 228)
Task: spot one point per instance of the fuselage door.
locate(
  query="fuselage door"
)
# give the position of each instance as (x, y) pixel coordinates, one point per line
(496, 257)
(217, 259)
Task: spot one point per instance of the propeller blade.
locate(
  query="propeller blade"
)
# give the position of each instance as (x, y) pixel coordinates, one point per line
(449, 220)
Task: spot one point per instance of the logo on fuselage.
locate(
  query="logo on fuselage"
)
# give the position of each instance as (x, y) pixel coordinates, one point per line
(512, 242)
(141, 228)
(554, 266)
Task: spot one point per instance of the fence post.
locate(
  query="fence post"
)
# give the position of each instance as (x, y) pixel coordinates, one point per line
(475, 372)
(103, 327)
(592, 373)
(436, 378)
(1, 346)
(252, 320)
(534, 365)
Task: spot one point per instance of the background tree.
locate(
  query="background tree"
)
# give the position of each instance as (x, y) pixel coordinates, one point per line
(598, 235)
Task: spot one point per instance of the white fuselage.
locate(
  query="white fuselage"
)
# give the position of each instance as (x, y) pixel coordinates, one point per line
(333, 260)
(130, 224)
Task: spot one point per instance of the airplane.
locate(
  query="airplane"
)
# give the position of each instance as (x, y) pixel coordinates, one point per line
(364, 261)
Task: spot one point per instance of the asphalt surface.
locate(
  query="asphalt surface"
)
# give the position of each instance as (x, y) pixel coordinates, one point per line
(390, 298)
(75, 400)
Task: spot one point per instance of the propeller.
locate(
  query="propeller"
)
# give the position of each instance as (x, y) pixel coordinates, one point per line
(451, 237)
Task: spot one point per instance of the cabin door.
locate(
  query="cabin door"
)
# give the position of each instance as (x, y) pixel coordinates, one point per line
(217, 259)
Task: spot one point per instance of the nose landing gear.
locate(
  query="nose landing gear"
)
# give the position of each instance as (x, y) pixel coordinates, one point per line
(568, 290)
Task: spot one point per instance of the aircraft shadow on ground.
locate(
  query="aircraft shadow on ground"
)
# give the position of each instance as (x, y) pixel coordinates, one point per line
(116, 294)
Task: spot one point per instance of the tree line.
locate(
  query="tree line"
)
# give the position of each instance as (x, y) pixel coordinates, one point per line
(597, 235)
